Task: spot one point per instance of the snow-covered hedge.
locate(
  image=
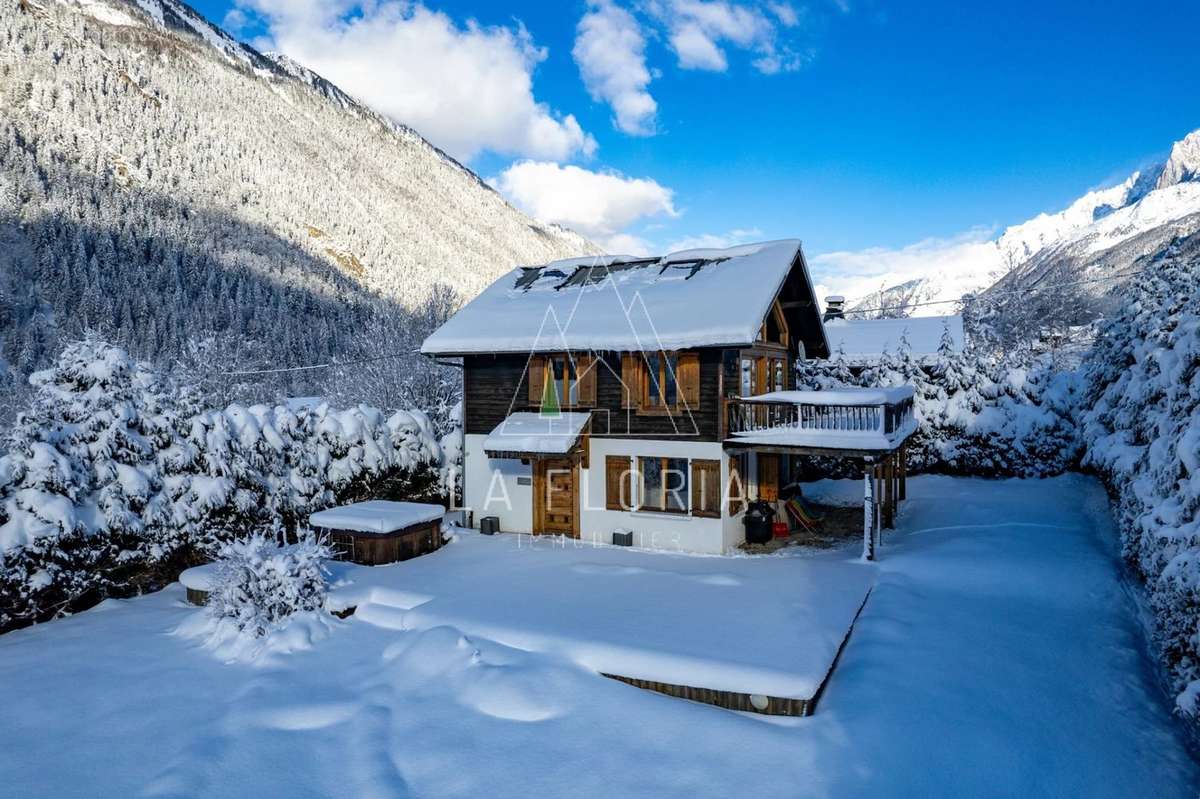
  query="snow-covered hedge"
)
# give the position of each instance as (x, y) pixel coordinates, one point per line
(259, 584)
(114, 479)
(979, 415)
(1140, 419)
(450, 478)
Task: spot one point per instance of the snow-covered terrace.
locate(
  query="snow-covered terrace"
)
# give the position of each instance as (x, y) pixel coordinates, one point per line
(649, 616)
(848, 421)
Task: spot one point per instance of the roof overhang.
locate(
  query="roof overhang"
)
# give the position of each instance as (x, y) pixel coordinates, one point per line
(534, 435)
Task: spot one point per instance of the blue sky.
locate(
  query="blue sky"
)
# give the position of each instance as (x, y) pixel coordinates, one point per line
(882, 124)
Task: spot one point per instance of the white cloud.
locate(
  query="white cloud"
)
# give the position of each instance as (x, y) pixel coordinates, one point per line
(698, 31)
(714, 240)
(600, 205)
(611, 53)
(956, 265)
(467, 88)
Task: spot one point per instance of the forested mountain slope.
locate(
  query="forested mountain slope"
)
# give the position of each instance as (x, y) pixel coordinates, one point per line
(161, 183)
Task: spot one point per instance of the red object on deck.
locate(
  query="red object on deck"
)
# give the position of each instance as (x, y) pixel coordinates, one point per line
(779, 529)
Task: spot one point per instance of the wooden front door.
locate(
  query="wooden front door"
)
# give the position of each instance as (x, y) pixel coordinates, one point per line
(768, 477)
(555, 497)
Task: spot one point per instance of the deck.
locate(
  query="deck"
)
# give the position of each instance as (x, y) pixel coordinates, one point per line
(841, 423)
(871, 424)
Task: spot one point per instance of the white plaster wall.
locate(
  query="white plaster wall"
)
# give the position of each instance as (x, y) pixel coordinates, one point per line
(490, 487)
(667, 531)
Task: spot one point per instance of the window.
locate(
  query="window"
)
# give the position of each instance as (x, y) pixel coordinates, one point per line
(706, 488)
(660, 382)
(762, 374)
(664, 484)
(660, 389)
(562, 380)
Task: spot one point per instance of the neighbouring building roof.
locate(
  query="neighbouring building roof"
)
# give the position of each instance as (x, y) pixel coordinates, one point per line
(867, 339)
(694, 298)
(533, 433)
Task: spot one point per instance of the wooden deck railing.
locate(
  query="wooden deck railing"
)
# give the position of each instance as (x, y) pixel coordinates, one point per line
(743, 416)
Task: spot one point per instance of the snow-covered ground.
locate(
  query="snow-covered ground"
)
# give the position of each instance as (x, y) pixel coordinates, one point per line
(769, 626)
(999, 655)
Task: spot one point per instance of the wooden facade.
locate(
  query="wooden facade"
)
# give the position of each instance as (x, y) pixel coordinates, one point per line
(495, 386)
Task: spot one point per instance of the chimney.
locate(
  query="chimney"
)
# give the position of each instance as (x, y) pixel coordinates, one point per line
(834, 307)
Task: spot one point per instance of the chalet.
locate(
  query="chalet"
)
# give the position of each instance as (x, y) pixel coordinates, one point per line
(617, 398)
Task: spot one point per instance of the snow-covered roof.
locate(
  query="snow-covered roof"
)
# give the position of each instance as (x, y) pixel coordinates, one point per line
(693, 298)
(839, 396)
(376, 516)
(537, 434)
(867, 339)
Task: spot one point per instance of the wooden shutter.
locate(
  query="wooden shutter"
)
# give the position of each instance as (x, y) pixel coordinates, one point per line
(768, 477)
(631, 375)
(737, 486)
(689, 379)
(706, 488)
(618, 483)
(585, 370)
(537, 379)
(761, 367)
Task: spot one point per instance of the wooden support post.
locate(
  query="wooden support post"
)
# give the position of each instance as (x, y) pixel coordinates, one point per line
(903, 491)
(868, 509)
(889, 493)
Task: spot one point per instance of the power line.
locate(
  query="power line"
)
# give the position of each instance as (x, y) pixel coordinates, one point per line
(329, 365)
(999, 293)
(373, 359)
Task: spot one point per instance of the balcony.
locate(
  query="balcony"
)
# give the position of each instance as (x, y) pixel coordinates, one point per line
(847, 421)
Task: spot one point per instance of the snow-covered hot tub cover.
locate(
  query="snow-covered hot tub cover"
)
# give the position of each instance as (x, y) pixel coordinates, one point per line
(199, 578)
(376, 516)
(532, 433)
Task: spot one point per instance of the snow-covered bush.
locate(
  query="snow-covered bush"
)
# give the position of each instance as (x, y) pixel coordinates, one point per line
(259, 584)
(83, 495)
(450, 478)
(113, 481)
(1140, 419)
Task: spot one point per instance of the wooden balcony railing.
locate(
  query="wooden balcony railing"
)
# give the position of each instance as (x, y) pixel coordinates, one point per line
(749, 415)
